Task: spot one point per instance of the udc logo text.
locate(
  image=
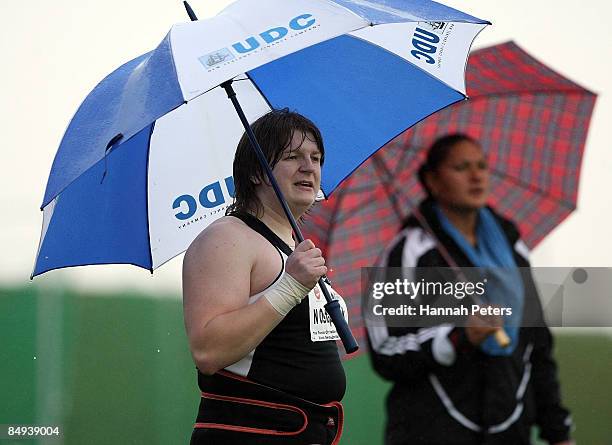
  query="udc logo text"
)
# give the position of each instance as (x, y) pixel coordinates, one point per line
(271, 35)
(425, 44)
(251, 43)
(210, 196)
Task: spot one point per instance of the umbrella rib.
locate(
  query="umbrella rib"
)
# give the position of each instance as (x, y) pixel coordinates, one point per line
(405, 158)
(147, 172)
(537, 92)
(259, 90)
(335, 212)
(527, 59)
(101, 158)
(532, 188)
(423, 71)
(379, 165)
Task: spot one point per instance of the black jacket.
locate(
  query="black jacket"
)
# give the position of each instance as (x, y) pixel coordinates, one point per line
(446, 391)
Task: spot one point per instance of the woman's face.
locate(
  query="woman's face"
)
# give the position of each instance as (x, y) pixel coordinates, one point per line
(461, 181)
(298, 173)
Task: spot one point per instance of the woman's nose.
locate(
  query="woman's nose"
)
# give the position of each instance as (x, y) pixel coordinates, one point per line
(307, 165)
(477, 174)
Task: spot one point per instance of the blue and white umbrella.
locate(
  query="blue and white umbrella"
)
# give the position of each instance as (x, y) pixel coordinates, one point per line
(146, 162)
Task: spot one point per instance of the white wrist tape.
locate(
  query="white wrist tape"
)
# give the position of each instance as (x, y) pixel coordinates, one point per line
(286, 294)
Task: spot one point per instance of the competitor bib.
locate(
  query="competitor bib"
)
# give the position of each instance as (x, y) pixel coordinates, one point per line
(321, 326)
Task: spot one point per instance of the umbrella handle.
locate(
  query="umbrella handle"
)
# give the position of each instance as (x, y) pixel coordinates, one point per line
(502, 338)
(334, 310)
(333, 306)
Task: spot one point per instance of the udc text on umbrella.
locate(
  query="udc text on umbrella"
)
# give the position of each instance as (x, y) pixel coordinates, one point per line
(269, 37)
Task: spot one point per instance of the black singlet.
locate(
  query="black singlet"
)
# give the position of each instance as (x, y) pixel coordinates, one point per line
(287, 359)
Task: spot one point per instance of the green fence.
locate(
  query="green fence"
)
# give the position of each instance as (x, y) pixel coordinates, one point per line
(116, 369)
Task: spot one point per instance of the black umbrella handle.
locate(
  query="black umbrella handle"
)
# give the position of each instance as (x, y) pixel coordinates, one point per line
(333, 306)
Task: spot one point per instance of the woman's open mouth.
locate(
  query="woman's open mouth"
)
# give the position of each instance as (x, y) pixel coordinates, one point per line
(306, 185)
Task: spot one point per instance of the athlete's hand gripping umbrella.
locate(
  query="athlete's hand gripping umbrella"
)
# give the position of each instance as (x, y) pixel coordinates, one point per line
(146, 162)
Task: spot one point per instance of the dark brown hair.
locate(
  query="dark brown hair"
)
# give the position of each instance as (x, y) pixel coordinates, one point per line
(273, 131)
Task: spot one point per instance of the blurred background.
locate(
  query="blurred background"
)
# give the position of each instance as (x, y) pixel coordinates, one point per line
(101, 350)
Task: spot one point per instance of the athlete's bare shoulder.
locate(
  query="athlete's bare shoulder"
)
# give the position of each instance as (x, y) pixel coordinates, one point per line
(227, 232)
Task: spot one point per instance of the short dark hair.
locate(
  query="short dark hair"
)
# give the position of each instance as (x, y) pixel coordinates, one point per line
(438, 152)
(274, 131)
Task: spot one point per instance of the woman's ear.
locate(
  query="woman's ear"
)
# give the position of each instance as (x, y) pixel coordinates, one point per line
(431, 183)
(258, 181)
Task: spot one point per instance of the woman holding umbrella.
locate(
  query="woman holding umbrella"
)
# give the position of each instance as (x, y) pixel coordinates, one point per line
(267, 372)
(455, 385)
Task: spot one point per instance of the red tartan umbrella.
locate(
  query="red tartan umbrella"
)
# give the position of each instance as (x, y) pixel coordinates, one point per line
(531, 121)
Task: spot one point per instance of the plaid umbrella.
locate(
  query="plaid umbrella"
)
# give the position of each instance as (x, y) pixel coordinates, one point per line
(531, 121)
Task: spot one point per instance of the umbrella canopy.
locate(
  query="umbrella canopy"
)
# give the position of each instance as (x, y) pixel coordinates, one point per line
(146, 162)
(531, 121)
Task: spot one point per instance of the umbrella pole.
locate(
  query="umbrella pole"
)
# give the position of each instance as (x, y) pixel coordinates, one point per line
(333, 306)
(190, 12)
